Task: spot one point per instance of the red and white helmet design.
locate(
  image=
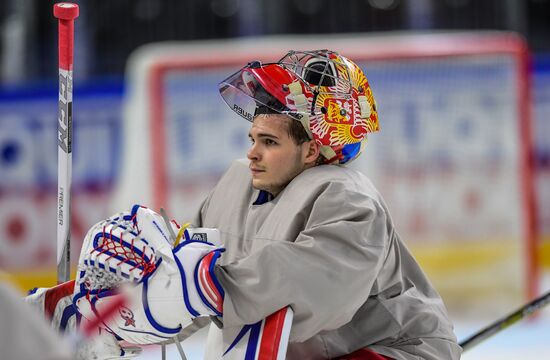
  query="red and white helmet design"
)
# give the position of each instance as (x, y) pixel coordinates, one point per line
(328, 93)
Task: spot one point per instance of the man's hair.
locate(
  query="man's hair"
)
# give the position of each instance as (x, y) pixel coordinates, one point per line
(297, 132)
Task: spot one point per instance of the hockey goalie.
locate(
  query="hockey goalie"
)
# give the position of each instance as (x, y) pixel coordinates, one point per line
(288, 230)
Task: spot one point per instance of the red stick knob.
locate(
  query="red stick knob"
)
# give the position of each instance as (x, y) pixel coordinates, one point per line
(66, 13)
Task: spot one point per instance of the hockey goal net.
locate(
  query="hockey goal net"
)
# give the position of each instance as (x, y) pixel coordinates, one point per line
(451, 158)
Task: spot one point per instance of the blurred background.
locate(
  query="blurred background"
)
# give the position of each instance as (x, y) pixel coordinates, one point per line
(108, 31)
(463, 157)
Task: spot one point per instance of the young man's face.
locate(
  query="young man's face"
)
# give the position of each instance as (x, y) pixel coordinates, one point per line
(275, 158)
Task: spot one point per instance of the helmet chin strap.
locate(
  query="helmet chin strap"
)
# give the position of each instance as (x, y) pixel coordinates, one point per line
(328, 153)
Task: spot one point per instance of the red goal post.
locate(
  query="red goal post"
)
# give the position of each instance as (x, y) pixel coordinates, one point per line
(470, 92)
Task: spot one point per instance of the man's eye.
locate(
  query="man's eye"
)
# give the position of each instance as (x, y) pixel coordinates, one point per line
(270, 142)
(251, 140)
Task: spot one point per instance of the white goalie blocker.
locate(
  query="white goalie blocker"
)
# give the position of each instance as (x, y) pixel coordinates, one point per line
(136, 259)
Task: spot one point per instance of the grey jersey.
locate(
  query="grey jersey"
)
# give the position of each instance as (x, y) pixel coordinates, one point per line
(327, 247)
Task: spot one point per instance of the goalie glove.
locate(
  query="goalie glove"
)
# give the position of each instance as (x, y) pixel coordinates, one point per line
(165, 288)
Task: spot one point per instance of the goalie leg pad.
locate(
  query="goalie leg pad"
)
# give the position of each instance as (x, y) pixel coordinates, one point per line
(56, 304)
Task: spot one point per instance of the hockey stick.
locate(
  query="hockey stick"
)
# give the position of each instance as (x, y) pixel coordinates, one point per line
(65, 13)
(505, 322)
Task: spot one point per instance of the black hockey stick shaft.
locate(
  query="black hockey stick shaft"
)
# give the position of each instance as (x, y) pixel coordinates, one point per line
(505, 322)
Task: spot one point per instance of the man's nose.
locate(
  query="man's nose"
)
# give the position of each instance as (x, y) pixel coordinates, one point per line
(253, 153)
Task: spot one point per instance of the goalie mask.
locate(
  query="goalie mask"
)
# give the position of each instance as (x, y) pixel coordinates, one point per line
(326, 92)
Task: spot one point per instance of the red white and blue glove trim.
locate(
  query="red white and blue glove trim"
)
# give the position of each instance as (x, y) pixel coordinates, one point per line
(202, 292)
(211, 291)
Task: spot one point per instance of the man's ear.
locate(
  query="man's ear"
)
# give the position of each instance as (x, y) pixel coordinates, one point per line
(311, 152)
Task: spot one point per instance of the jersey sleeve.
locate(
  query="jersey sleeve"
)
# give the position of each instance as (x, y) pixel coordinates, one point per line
(325, 274)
